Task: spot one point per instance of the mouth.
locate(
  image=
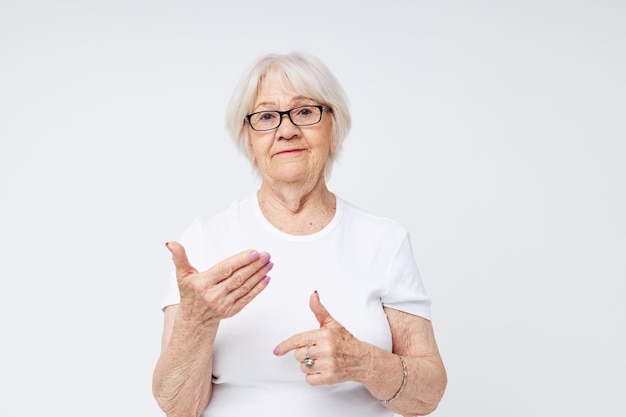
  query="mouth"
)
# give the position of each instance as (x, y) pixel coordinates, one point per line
(290, 151)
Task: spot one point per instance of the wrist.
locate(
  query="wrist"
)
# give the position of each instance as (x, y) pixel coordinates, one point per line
(194, 325)
(405, 376)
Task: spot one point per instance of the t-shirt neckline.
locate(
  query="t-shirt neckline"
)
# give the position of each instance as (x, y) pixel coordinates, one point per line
(298, 238)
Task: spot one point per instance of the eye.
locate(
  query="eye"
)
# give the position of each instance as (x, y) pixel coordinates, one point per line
(304, 111)
(263, 117)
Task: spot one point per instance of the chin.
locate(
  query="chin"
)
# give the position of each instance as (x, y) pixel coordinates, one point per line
(292, 175)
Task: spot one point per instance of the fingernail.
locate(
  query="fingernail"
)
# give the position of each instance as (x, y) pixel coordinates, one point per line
(265, 257)
(269, 266)
(275, 351)
(266, 280)
(254, 255)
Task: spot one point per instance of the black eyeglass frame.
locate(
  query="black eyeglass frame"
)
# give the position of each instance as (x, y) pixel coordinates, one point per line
(288, 113)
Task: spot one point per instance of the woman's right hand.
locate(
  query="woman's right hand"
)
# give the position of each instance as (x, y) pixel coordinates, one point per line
(221, 291)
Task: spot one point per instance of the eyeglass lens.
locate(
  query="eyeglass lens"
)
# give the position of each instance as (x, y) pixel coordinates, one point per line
(300, 116)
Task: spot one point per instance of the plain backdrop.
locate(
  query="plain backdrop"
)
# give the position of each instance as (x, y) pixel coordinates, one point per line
(493, 130)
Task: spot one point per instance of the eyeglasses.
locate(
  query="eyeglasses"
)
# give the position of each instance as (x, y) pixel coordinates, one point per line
(299, 116)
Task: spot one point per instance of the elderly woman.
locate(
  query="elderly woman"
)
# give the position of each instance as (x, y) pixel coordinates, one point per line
(343, 327)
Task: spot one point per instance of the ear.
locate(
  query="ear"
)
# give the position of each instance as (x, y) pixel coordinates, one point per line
(334, 142)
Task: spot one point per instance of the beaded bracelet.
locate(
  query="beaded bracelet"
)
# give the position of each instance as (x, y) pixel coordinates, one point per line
(405, 375)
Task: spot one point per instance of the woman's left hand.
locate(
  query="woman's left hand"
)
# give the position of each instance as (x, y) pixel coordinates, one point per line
(337, 355)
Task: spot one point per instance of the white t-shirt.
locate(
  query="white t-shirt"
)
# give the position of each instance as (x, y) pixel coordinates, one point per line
(358, 263)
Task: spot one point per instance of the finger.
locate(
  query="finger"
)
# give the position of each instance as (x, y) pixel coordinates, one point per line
(303, 352)
(308, 363)
(294, 342)
(234, 306)
(243, 295)
(239, 267)
(321, 314)
(315, 379)
(179, 256)
(236, 278)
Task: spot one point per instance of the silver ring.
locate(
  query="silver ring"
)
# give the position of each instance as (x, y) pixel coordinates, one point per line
(308, 361)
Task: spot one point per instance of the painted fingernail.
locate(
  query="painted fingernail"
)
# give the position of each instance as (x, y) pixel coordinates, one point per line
(254, 255)
(275, 351)
(265, 257)
(269, 266)
(266, 280)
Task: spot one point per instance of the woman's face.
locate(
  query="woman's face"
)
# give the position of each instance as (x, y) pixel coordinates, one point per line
(289, 153)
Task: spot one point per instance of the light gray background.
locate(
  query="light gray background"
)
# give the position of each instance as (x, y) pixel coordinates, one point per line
(492, 130)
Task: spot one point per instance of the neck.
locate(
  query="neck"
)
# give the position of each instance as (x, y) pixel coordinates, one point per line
(295, 208)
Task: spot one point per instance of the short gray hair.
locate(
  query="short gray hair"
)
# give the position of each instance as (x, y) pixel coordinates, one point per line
(309, 76)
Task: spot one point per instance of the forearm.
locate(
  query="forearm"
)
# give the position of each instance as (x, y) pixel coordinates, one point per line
(182, 377)
(425, 382)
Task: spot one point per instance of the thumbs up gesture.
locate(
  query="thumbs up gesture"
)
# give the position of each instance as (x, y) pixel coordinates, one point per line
(328, 355)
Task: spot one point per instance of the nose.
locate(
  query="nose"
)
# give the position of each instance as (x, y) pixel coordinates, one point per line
(287, 130)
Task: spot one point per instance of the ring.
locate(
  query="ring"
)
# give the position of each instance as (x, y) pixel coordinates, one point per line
(308, 361)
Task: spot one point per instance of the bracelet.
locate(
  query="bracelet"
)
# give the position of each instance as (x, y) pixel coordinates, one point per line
(405, 376)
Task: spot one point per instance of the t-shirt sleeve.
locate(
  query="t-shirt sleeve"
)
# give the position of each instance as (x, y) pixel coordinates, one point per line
(405, 290)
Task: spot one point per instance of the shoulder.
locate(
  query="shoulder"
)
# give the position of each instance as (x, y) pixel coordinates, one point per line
(356, 217)
(220, 222)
